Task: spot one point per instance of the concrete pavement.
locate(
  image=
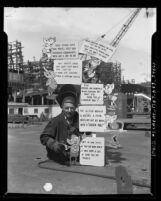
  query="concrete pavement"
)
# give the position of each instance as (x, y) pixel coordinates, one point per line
(25, 151)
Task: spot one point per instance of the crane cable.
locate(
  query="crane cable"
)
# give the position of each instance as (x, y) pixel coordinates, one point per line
(102, 36)
(99, 38)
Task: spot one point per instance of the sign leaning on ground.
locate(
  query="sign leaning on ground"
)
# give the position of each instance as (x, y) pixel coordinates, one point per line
(92, 118)
(68, 71)
(92, 151)
(91, 94)
(99, 50)
(64, 50)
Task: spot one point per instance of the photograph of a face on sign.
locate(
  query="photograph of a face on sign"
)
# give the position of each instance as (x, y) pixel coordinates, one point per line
(79, 99)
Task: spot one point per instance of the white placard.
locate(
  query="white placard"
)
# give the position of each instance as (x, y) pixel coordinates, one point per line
(92, 118)
(68, 71)
(99, 50)
(92, 151)
(91, 94)
(64, 50)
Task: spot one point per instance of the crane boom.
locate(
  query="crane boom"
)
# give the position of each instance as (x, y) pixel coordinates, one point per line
(116, 40)
(125, 27)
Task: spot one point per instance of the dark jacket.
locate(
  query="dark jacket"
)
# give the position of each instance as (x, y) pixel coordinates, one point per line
(58, 129)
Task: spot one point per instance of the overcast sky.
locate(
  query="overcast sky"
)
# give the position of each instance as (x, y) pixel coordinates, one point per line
(30, 25)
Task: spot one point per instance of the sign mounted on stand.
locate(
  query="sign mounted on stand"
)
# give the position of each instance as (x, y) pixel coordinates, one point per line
(92, 118)
(91, 94)
(99, 50)
(92, 151)
(68, 71)
(64, 50)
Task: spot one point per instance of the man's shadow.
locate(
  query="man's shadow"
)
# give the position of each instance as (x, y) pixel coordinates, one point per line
(113, 155)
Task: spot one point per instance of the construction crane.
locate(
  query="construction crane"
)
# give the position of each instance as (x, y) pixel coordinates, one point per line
(125, 28)
(116, 39)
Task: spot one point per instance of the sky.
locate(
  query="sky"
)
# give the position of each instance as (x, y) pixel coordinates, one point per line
(29, 25)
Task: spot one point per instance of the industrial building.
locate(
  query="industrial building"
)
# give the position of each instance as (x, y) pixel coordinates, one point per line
(109, 73)
(15, 70)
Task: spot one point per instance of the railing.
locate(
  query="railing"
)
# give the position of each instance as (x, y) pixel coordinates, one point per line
(17, 119)
(21, 121)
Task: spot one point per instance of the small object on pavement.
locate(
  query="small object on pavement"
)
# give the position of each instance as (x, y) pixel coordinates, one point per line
(48, 187)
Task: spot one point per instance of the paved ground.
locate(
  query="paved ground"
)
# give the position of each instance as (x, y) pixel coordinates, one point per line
(25, 151)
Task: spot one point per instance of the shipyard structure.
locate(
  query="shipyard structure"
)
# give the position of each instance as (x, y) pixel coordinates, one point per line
(28, 93)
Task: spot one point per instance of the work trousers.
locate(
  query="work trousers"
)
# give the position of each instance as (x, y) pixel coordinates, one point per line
(61, 156)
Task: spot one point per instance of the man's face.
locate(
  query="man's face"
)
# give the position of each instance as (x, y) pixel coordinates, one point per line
(68, 109)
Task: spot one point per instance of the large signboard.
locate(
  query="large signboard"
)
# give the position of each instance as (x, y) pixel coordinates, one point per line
(99, 50)
(68, 71)
(92, 151)
(91, 94)
(92, 118)
(62, 50)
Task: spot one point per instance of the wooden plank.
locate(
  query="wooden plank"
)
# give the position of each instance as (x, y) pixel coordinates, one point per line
(140, 121)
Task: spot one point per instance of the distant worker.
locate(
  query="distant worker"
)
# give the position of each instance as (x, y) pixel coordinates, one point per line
(60, 128)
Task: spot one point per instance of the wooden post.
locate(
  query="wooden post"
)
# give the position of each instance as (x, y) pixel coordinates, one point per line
(124, 181)
(42, 100)
(23, 123)
(32, 100)
(14, 96)
(23, 96)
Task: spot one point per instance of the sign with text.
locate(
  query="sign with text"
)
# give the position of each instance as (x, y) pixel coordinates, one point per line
(92, 118)
(64, 50)
(92, 151)
(68, 71)
(91, 94)
(99, 50)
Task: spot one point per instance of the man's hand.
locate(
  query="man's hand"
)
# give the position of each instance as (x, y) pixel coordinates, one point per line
(56, 146)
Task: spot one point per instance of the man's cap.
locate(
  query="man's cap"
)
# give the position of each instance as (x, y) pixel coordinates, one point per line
(67, 93)
(69, 99)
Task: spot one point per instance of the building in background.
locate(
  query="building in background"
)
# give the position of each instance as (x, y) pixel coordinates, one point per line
(15, 70)
(27, 84)
(26, 80)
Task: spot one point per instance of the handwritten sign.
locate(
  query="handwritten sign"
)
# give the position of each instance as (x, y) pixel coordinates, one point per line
(92, 118)
(63, 50)
(92, 151)
(68, 71)
(91, 94)
(99, 50)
